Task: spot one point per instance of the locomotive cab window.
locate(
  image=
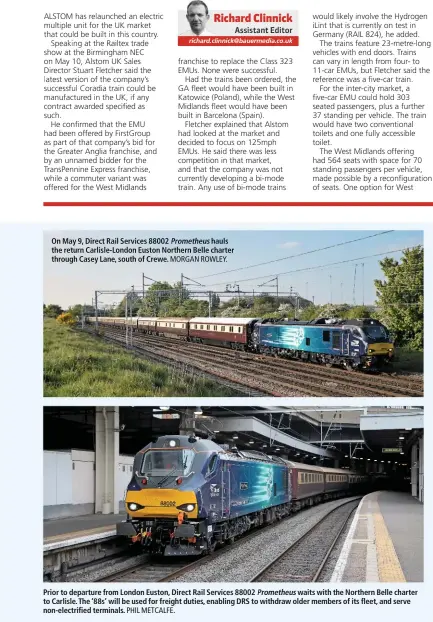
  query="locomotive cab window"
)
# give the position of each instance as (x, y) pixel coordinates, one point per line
(307, 341)
(161, 463)
(326, 335)
(212, 465)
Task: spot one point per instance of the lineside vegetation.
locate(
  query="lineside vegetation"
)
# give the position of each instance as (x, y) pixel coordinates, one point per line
(77, 365)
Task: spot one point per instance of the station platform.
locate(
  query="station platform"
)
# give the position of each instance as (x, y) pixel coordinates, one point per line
(384, 542)
(80, 527)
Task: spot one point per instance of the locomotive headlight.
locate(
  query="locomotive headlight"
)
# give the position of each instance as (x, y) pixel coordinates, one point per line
(186, 507)
(134, 507)
(370, 351)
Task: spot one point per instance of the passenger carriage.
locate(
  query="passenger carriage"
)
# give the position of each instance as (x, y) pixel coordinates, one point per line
(232, 332)
(176, 327)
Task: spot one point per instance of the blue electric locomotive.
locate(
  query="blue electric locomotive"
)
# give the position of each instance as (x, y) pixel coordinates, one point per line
(187, 495)
(357, 344)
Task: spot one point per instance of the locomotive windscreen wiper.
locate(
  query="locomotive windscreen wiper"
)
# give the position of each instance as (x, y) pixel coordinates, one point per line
(164, 479)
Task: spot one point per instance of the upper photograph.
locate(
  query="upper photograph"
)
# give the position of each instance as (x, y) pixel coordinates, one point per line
(329, 313)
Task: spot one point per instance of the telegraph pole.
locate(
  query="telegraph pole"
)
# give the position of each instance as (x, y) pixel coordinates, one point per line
(96, 310)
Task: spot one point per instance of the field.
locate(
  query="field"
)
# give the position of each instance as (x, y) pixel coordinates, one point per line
(76, 365)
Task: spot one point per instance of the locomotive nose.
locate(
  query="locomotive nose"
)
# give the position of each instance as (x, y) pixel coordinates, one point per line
(381, 349)
(161, 503)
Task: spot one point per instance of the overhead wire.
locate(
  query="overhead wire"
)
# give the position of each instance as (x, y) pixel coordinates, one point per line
(316, 250)
(319, 267)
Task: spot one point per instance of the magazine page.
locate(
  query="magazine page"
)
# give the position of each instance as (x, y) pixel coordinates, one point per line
(216, 216)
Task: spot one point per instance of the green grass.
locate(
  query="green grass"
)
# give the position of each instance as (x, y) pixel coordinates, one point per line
(408, 360)
(79, 365)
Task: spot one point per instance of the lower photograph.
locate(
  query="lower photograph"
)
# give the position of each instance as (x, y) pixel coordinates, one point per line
(233, 494)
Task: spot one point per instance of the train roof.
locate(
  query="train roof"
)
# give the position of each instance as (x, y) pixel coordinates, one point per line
(168, 319)
(115, 317)
(304, 467)
(147, 319)
(326, 321)
(313, 467)
(181, 441)
(224, 320)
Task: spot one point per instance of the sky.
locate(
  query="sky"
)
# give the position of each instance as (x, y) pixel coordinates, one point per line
(307, 274)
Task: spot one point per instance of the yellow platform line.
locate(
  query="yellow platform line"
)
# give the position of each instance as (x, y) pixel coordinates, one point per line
(388, 564)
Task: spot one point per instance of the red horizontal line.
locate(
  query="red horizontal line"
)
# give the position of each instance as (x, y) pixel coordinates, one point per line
(231, 204)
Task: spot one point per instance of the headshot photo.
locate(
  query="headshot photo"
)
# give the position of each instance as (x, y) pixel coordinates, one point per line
(197, 14)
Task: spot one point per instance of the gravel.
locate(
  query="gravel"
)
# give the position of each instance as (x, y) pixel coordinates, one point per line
(243, 560)
(301, 563)
(328, 569)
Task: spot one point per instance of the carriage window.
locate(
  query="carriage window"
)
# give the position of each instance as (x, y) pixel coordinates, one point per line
(215, 327)
(230, 329)
(239, 329)
(208, 327)
(201, 326)
(336, 340)
(195, 325)
(223, 328)
(326, 335)
(183, 325)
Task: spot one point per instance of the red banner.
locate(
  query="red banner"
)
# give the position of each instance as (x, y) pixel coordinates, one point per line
(238, 40)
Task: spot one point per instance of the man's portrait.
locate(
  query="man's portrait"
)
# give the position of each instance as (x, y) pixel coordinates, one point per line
(197, 15)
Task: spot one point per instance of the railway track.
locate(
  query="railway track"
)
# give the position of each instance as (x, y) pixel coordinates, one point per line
(301, 368)
(152, 572)
(142, 568)
(304, 561)
(260, 375)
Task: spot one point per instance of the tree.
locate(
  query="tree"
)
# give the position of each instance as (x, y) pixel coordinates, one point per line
(134, 303)
(52, 310)
(400, 297)
(358, 312)
(76, 311)
(150, 306)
